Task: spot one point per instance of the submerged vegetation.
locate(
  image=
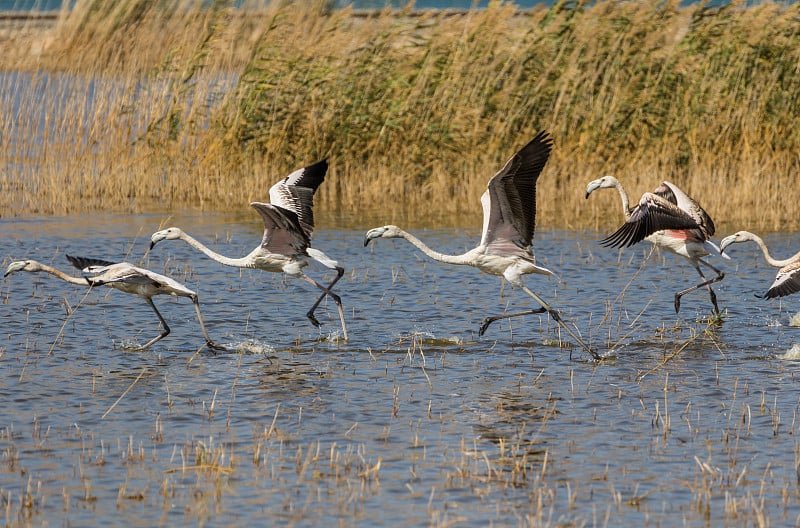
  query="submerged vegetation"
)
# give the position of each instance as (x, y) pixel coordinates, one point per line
(149, 105)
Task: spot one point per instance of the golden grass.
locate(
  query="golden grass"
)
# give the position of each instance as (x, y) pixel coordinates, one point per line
(152, 106)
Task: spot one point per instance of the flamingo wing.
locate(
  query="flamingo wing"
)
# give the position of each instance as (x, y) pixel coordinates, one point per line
(674, 194)
(653, 213)
(787, 281)
(511, 196)
(296, 193)
(88, 264)
(283, 234)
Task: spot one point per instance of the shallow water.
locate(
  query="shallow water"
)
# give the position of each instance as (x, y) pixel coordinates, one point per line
(415, 420)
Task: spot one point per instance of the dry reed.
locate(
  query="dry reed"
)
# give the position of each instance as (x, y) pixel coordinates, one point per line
(145, 105)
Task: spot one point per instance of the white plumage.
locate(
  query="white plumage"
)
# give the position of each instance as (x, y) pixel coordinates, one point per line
(286, 243)
(126, 278)
(509, 213)
(671, 219)
(787, 281)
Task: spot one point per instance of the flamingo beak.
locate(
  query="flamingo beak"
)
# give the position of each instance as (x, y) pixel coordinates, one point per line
(593, 186)
(724, 243)
(157, 237)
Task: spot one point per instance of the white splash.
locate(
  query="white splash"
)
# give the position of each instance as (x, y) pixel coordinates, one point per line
(791, 354)
(128, 345)
(253, 347)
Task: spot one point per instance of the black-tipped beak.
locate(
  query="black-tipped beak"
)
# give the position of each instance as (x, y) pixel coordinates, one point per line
(366, 241)
(152, 245)
(587, 195)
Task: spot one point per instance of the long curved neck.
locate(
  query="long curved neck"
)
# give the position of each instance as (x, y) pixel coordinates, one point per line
(626, 209)
(464, 259)
(771, 261)
(80, 281)
(222, 259)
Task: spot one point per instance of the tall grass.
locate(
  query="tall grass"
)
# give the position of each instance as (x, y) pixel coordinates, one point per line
(161, 105)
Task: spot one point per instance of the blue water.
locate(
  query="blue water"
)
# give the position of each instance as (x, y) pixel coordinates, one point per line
(29, 5)
(416, 420)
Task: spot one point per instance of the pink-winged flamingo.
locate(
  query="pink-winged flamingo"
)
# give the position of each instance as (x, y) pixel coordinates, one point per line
(286, 244)
(787, 281)
(670, 219)
(509, 213)
(126, 278)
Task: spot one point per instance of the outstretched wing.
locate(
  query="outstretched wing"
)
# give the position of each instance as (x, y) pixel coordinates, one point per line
(674, 194)
(787, 281)
(655, 212)
(510, 210)
(84, 263)
(140, 281)
(127, 275)
(296, 193)
(283, 234)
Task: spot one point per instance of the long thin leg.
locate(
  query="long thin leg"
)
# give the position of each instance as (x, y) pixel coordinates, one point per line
(211, 344)
(163, 323)
(336, 299)
(557, 318)
(489, 320)
(706, 282)
(327, 291)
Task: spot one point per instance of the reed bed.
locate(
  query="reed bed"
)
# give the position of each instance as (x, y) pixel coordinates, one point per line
(143, 105)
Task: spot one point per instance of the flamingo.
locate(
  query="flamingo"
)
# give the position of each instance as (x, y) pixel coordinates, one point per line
(668, 218)
(286, 244)
(125, 278)
(787, 281)
(509, 213)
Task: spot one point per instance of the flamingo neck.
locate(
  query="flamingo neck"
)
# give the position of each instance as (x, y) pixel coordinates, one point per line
(222, 259)
(626, 209)
(80, 281)
(771, 261)
(463, 260)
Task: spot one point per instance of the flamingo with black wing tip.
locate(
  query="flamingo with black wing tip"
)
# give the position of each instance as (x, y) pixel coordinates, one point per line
(126, 278)
(672, 220)
(509, 213)
(286, 244)
(787, 281)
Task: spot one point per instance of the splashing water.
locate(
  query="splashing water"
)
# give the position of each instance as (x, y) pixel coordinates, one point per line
(791, 354)
(252, 346)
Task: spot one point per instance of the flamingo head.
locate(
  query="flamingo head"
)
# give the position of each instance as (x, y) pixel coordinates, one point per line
(21, 265)
(171, 233)
(740, 236)
(387, 231)
(606, 182)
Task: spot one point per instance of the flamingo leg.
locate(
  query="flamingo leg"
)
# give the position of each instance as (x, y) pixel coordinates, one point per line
(489, 320)
(335, 297)
(557, 318)
(327, 291)
(706, 282)
(163, 323)
(211, 344)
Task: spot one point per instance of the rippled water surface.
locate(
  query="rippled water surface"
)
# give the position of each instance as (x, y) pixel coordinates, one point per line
(416, 420)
